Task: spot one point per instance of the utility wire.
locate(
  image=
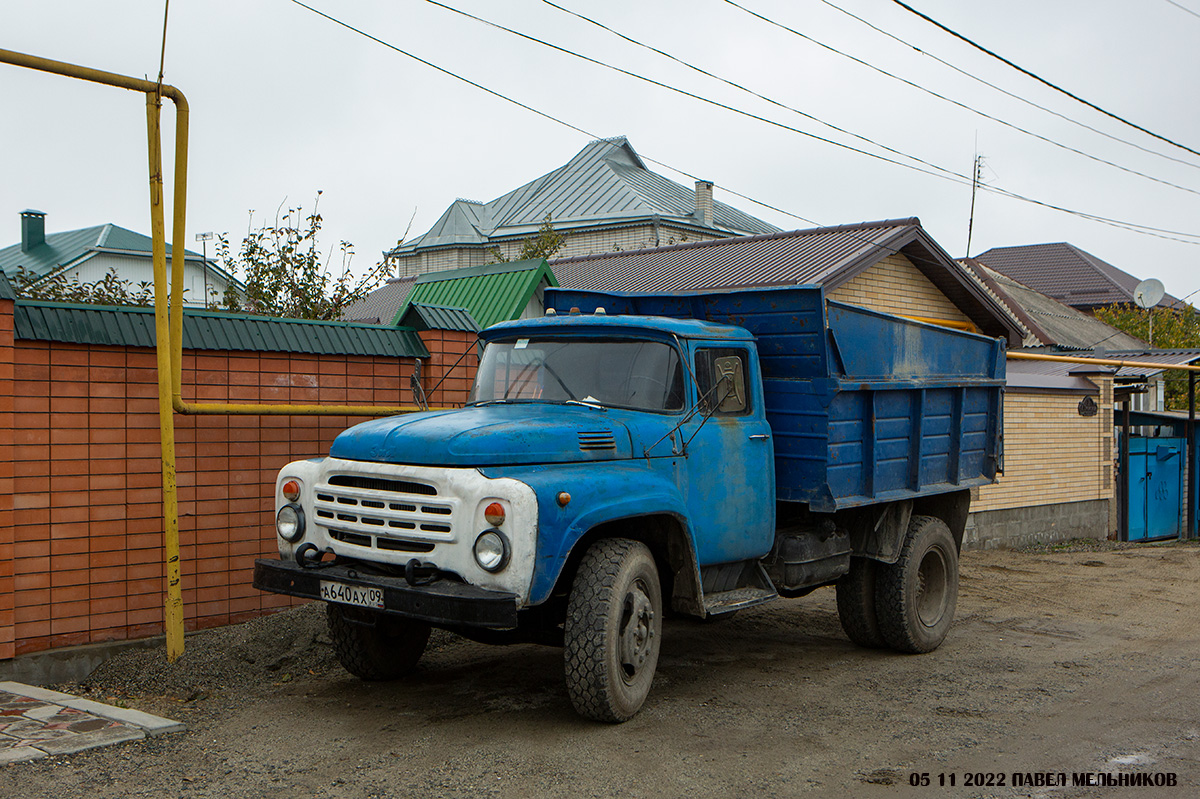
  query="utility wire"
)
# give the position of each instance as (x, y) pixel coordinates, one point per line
(952, 101)
(1042, 80)
(1182, 7)
(957, 177)
(1006, 92)
(727, 82)
(1145, 230)
(939, 171)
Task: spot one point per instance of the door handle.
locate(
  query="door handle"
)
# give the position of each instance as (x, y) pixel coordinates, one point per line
(759, 437)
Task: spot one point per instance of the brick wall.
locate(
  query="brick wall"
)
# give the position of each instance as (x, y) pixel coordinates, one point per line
(1052, 454)
(7, 473)
(81, 556)
(895, 286)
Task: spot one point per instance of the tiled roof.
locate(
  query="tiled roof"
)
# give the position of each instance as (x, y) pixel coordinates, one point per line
(490, 294)
(134, 327)
(1066, 273)
(606, 182)
(1055, 324)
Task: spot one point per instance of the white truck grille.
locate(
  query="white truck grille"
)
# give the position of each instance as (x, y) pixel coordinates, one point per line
(383, 513)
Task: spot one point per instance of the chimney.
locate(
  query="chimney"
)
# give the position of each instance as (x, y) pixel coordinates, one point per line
(33, 229)
(704, 202)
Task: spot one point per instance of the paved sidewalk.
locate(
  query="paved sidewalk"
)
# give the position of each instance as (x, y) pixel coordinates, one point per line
(35, 722)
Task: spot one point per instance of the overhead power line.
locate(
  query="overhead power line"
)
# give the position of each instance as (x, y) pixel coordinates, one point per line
(1042, 80)
(940, 171)
(1182, 7)
(1006, 92)
(1130, 226)
(952, 101)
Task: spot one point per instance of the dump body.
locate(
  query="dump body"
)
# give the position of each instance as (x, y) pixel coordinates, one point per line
(864, 407)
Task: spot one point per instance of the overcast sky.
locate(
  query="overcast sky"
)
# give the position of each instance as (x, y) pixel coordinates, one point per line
(285, 103)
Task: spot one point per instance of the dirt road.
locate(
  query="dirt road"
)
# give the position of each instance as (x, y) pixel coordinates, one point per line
(1061, 662)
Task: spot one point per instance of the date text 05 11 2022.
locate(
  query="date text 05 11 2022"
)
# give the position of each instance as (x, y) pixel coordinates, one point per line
(1044, 779)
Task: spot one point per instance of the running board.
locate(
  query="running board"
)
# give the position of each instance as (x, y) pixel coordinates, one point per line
(731, 587)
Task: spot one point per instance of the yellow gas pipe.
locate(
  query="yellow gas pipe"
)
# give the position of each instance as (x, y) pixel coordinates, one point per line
(168, 322)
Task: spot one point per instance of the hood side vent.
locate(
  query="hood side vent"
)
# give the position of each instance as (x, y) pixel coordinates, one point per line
(596, 439)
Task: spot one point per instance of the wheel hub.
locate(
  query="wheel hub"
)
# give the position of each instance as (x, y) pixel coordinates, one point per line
(637, 631)
(932, 581)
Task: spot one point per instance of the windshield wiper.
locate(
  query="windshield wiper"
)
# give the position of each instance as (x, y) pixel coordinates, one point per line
(585, 404)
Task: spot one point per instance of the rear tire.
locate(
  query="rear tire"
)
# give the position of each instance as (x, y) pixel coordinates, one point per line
(856, 603)
(916, 596)
(613, 630)
(375, 646)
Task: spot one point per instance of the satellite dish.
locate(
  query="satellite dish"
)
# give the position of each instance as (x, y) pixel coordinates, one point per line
(1148, 293)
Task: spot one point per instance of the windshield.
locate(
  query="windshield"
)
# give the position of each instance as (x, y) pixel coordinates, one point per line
(621, 373)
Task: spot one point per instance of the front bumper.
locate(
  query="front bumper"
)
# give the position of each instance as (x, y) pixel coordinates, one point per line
(443, 602)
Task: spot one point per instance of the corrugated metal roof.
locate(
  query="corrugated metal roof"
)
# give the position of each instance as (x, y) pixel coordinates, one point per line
(382, 304)
(1066, 273)
(134, 327)
(1059, 324)
(438, 317)
(1167, 358)
(492, 293)
(796, 257)
(605, 182)
(6, 292)
(69, 246)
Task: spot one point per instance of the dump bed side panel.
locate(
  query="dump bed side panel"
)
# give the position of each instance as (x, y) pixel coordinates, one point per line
(864, 407)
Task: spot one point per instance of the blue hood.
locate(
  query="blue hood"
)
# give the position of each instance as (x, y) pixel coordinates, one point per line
(488, 435)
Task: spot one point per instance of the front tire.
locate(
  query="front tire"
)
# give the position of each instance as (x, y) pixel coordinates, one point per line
(375, 646)
(916, 596)
(613, 630)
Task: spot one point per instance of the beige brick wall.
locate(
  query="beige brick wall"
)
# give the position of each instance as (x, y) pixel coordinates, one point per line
(1051, 453)
(894, 285)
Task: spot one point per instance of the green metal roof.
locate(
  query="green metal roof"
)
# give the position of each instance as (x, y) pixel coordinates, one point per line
(6, 292)
(492, 293)
(61, 249)
(134, 327)
(438, 317)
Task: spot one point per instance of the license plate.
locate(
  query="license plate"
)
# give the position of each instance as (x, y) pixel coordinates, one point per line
(352, 595)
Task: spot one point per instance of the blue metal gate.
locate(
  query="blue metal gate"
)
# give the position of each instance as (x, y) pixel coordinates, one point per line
(1155, 483)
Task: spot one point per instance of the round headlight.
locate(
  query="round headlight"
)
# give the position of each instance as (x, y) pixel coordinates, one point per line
(289, 523)
(491, 550)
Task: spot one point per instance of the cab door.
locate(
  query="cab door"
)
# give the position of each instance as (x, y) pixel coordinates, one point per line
(729, 463)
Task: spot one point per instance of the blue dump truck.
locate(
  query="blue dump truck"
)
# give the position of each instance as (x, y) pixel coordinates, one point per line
(627, 456)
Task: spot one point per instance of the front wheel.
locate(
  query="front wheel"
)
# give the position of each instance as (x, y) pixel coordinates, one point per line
(916, 596)
(375, 646)
(613, 630)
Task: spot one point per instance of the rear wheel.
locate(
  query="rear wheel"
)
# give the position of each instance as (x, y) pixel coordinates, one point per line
(916, 596)
(613, 630)
(856, 603)
(375, 646)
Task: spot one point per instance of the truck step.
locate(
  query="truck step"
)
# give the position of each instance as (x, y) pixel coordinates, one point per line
(728, 601)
